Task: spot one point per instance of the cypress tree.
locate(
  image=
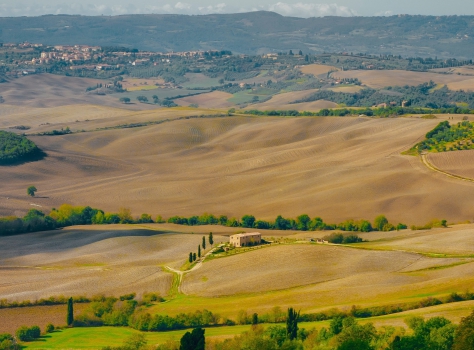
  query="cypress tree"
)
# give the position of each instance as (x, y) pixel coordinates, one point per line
(194, 256)
(211, 239)
(70, 312)
(190, 257)
(199, 251)
(203, 242)
(292, 324)
(194, 340)
(254, 319)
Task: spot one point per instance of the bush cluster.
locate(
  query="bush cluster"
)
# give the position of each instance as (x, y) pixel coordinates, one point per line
(7, 342)
(28, 333)
(112, 311)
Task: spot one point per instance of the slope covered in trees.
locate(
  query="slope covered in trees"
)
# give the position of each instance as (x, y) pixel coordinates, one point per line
(425, 95)
(443, 36)
(14, 148)
(445, 137)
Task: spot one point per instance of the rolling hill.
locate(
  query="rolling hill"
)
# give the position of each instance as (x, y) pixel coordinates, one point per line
(255, 32)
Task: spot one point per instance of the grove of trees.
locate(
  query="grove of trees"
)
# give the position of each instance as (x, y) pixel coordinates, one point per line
(15, 148)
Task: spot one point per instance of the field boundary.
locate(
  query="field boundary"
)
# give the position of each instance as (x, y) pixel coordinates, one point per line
(430, 166)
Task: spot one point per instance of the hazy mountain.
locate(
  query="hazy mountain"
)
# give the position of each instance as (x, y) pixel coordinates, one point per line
(255, 32)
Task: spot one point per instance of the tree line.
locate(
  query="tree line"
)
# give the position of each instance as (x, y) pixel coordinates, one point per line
(68, 215)
(382, 112)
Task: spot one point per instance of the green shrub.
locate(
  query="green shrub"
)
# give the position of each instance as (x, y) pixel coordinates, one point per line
(130, 296)
(49, 328)
(28, 334)
(151, 297)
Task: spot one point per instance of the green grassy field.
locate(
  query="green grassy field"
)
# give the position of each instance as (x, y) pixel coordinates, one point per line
(198, 80)
(241, 97)
(98, 337)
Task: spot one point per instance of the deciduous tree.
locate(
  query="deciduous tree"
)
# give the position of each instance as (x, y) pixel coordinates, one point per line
(31, 191)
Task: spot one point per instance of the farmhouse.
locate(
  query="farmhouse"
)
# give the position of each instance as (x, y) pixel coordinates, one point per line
(246, 239)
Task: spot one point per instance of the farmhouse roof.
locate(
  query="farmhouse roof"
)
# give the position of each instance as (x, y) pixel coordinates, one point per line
(246, 234)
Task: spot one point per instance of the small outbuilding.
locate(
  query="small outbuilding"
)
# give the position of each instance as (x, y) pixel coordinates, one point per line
(246, 239)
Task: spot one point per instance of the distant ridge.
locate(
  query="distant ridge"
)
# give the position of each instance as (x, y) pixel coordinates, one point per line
(253, 33)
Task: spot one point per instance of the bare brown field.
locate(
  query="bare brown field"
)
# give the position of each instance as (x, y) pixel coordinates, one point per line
(285, 267)
(465, 70)
(379, 79)
(112, 260)
(315, 278)
(284, 102)
(83, 117)
(12, 319)
(48, 90)
(336, 168)
(215, 99)
(347, 89)
(317, 69)
(455, 240)
(466, 85)
(458, 163)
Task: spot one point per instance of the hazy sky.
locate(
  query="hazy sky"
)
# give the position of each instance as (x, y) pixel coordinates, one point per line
(303, 8)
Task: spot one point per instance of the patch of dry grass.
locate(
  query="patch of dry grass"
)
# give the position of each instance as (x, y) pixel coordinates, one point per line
(214, 99)
(284, 101)
(317, 69)
(12, 319)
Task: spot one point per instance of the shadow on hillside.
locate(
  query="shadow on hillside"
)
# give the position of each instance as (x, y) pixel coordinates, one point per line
(69, 238)
(36, 157)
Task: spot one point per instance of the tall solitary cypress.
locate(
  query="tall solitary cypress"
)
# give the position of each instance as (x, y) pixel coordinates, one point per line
(199, 251)
(190, 257)
(203, 242)
(70, 312)
(292, 324)
(211, 239)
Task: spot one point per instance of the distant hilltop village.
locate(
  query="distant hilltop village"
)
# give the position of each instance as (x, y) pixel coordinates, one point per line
(86, 57)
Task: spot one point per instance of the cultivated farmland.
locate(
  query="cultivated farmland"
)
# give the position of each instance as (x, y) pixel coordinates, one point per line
(336, 168)
(457, 163)
(317, 69)
(112, 260)
(215, 99)
(383, 78)
(284, 101)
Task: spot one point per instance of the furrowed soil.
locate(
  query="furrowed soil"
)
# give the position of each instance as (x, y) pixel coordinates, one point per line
(380, 79)
(459, 163)
(335, 168)
(215, 99)
(90, 260)
(12, 319)
(285, 101)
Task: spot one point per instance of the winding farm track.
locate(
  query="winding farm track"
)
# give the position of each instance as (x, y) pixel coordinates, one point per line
(182, 273)
(432, 167)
